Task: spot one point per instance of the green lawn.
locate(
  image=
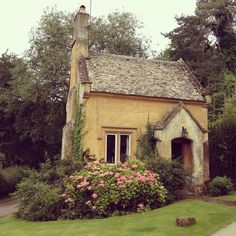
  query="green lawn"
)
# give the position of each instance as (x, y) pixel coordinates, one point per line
(160, 222)
(230, 197)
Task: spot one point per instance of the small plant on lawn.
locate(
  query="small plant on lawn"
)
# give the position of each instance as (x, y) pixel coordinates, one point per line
(220, 186)
(100, 190)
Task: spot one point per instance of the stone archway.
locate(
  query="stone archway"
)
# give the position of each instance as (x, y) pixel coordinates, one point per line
(181, 150)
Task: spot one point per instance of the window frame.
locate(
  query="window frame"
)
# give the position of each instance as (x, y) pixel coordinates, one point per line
(117, 142)
(129, 135)
(116, 139)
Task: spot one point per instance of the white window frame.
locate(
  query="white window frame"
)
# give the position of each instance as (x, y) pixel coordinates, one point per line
(115, 134)
(117, 137)
(129, 143)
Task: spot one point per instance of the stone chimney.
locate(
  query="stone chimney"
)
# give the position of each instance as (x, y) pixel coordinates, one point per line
(79, 53)
(80, 36)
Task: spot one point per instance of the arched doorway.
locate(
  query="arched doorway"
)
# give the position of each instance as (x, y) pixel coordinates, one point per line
(181, 150)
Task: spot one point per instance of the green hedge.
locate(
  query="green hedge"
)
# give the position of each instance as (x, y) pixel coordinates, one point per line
(9, 177)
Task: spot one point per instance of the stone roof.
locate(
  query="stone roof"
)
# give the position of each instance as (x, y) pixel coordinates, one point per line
(142, 77)
(170, 115)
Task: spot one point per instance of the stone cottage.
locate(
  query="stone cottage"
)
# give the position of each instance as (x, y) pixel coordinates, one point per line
(120, 94)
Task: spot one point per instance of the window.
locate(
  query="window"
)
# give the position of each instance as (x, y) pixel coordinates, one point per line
(117, 147)
(111, 148)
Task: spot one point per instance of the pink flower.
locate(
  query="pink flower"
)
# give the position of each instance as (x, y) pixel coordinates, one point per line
(141, 206)
(89, 188)
(94, 195)
(142, 178)
(80, 177)
(71, 177)
(122, 177)
(122, 186)
(134, 166)
(63, 195)
(94, 207)
(101, 182)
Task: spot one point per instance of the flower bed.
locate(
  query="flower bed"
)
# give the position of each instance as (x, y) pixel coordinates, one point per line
(100, 190)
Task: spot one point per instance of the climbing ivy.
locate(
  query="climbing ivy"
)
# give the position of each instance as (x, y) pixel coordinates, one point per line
(77, 135)
(146, 145)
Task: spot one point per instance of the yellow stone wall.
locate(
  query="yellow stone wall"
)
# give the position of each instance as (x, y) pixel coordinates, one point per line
(127, 114)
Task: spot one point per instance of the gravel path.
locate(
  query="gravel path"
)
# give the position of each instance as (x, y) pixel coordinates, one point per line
(8, 206)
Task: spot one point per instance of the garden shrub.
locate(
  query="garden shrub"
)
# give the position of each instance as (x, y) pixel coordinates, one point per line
(39, 201)
(40, 192)
(172, 175)
(220, 186)
(9, 177)
(100, 190)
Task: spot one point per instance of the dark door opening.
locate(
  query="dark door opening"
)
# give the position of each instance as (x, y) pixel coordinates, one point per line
(181, 150)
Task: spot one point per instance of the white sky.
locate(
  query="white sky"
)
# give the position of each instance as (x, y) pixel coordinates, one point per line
(17, 17)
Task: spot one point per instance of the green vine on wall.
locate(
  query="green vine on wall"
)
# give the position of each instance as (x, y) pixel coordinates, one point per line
(77, 135)
(146, 144)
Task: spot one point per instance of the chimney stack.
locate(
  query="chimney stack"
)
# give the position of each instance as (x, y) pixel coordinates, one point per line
(80, 36)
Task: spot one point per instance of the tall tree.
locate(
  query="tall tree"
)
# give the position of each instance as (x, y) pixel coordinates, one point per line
(206, 41)
(118, 33)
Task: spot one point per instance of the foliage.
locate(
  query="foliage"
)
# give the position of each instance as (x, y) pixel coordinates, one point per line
(49, 54)
(9, 178)
(146, 146)
(211, 217)
(172, 175)
(220, 186)
(222, 137)
(118, 34)
(78, 133)
(40, 192)
(206, 41)
(40, 201)
(100, 190)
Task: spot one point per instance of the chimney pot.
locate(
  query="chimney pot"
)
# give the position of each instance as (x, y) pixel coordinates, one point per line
(82, 9)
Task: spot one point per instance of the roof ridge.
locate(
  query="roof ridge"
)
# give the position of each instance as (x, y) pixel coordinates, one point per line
(131, 57)
(191, 76)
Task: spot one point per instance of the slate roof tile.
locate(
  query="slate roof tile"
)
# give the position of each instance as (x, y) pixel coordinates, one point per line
(143, 77)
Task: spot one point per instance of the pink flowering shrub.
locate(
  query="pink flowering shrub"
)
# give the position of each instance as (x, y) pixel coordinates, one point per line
(99, 190)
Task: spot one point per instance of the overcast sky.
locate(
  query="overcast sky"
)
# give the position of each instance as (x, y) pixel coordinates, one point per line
(17, 17)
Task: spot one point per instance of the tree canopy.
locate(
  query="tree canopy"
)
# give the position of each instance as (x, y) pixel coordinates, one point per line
(207, 41)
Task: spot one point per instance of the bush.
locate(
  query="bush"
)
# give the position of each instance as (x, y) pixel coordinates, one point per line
(100, 190)
(40, 192)
(40, 201)
(220, 186)
(172, 175)
(9, 177)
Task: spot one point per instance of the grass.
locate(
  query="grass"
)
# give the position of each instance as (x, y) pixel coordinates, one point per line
(230, 197)
(161, 222)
